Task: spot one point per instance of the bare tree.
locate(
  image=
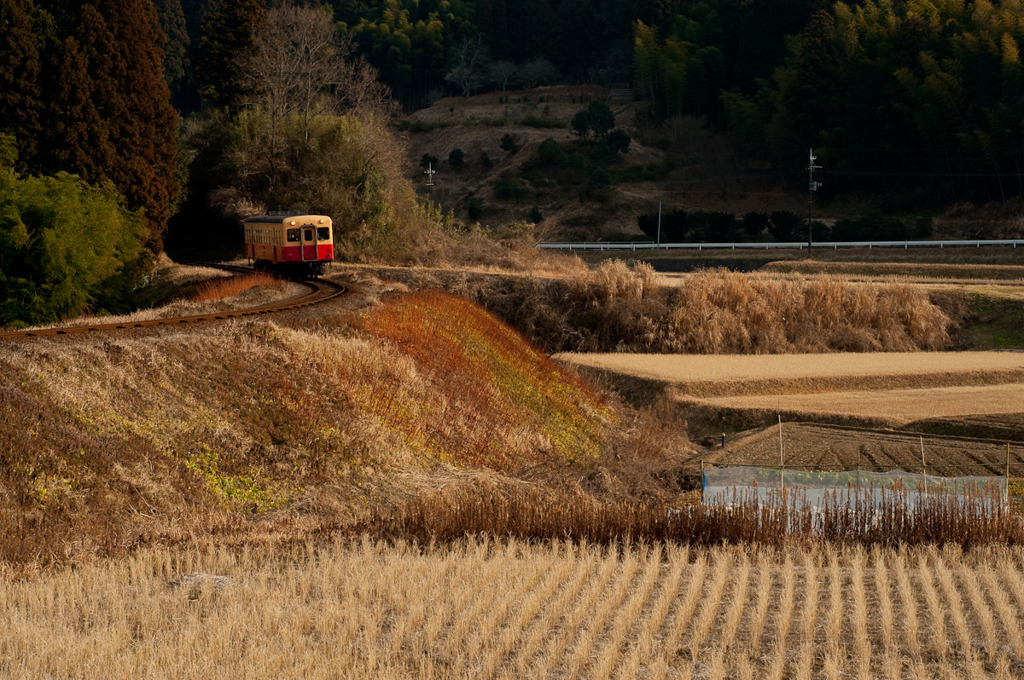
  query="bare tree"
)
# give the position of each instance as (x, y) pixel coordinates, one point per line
(502, 72)
(295, 60)
(470, 66)
(538, 72)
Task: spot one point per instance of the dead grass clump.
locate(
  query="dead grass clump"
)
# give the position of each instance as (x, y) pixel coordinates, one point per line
(615, 308)
(216, 289)
(528, 512)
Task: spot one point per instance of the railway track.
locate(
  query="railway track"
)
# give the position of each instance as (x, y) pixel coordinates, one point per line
(319, 291)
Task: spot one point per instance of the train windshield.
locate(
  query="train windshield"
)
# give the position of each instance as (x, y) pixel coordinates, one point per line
(323, 233)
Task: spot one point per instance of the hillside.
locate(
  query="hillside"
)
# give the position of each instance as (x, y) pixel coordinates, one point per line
(698, 163)
(272, 431)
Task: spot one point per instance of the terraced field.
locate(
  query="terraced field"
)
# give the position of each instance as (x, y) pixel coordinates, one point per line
(841, 410)
(511, 610)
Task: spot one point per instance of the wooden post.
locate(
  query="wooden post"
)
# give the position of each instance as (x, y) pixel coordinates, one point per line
(702, 480)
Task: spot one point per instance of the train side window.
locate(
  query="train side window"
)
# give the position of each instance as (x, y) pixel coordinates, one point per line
(323, 233)
(293, 236)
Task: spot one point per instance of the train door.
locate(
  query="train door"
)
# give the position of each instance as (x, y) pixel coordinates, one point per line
(309, 253)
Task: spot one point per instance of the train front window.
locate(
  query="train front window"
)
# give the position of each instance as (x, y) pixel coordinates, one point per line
(293, 236)
(323, 233)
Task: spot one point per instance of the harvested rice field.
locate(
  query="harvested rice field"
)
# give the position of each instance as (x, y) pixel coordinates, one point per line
(698, 368)
(894, 407)
(843, 410)
(892, 389)
(477, 609)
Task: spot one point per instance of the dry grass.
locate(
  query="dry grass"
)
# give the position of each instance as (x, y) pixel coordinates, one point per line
(615, 308)
(480, 609)
(217, 289)
(529, 512)
(260, 432)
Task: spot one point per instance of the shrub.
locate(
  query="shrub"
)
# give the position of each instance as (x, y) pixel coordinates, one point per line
(508, 187)
(536, 216)
(510, 142)
(549, 152)
(428, 160)
(65, 248)
(456, 159)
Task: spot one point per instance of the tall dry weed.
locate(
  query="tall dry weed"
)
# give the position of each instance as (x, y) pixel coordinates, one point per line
(617, 308)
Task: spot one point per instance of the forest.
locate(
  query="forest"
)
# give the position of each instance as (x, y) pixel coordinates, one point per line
(181, 115)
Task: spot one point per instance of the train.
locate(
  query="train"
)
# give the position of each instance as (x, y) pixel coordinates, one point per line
(294, 245)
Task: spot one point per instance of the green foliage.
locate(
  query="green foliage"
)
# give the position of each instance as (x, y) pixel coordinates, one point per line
(84, 94)
(549, 152)
(536, 216)
(598, 187)
(475, 208)
(597, 118)
(456, 158)
(427, 160)
(509, 142)
(65, 247)
(485, 161)
(411, 43)
(508, 187)
(227, 32)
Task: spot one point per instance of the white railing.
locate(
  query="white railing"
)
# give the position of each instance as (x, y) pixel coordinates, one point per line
(830, 245)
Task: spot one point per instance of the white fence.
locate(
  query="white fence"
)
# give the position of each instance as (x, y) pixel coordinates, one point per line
(816, 489)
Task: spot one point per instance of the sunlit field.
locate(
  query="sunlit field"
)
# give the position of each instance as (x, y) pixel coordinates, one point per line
(481, 609)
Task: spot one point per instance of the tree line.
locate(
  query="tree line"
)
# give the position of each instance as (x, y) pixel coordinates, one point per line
(196, 108)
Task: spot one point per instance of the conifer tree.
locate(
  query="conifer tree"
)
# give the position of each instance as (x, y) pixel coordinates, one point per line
(226, 35)
(107, 114)
(19, 77)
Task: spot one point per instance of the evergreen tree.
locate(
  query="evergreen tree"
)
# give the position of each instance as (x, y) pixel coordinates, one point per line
(19, 77)
(107, 114)
(226, 35)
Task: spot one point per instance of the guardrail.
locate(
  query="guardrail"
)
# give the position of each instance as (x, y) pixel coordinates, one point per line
(831, 245)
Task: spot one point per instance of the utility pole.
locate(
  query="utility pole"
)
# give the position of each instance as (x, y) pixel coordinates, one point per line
(659, 225)
(430, 172)
(812, 186)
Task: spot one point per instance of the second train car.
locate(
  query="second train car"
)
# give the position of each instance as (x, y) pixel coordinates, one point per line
(297, 245)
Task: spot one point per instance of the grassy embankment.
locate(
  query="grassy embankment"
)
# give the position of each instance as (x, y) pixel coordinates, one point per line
(259, 432)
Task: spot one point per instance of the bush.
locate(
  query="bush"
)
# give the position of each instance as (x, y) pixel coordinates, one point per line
(485, 161)
(475, 208)
(549, 152)
(428, 160)
(508, 187)
(536, 216)
(65, 248)
(510, 142)
(456, 159)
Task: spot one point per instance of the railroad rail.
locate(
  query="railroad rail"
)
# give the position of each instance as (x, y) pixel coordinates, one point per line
(793, 245)
(319, 291)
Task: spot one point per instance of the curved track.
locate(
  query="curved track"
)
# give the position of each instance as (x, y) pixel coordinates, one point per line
(319, 291)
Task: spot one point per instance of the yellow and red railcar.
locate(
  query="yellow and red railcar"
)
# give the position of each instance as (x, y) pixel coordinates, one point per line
(293, 244)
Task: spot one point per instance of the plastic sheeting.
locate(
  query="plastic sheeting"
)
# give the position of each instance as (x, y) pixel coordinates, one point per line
(729, 485)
